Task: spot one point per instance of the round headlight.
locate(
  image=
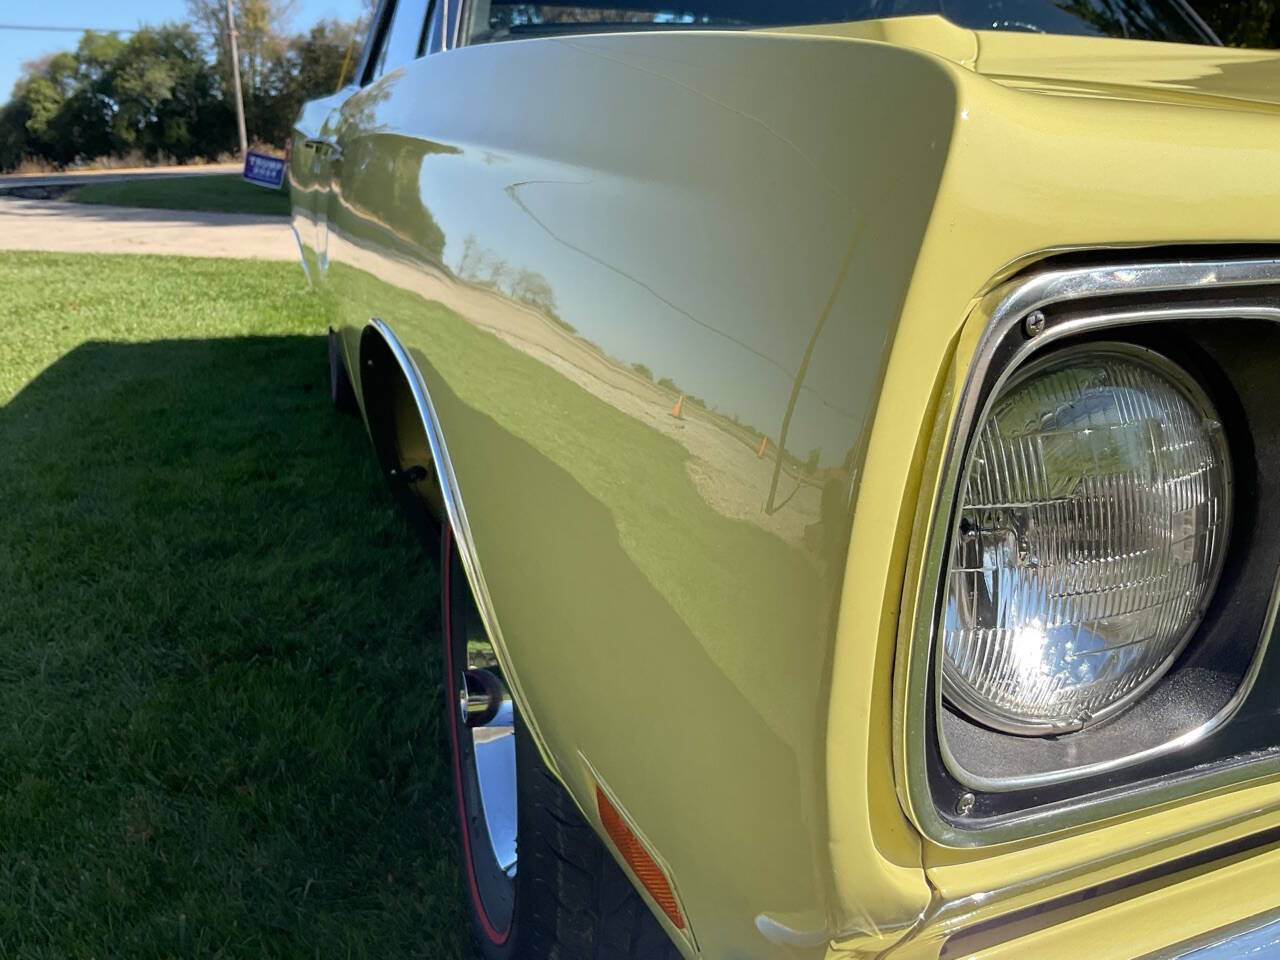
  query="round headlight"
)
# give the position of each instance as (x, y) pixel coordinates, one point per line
(1090, 532)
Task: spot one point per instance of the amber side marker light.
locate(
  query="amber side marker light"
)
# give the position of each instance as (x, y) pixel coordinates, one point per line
(638, 859)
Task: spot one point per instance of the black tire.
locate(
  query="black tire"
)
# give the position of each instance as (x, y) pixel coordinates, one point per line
(341, 393)
(571, 901)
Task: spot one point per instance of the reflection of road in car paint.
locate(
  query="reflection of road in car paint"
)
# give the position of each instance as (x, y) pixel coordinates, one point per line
(723, 465)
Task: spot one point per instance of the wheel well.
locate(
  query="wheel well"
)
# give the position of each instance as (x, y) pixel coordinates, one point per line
(399, 430)
(399, 435)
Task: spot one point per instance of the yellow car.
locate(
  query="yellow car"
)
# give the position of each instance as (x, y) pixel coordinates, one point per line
(851, 433)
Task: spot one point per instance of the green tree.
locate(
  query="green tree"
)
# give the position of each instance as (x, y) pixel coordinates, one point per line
(319, 54)
(155, 93)
(309, 66)
(87, 116)
(278, 72)
(45, 88)
(167, 96)
(262, 43)
(165, 91)
(13, 133)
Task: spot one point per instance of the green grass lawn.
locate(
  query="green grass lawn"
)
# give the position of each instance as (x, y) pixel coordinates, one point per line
(219, 684)
(222, 193)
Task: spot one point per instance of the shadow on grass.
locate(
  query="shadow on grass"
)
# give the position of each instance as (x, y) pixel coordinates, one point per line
(218, 682)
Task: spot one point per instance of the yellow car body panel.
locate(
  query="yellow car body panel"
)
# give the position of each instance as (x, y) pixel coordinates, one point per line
(792, 228)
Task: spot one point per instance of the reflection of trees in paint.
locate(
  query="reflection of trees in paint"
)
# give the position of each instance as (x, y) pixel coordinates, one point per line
(380, 176)
(1135, 19)
(483, 267)
(532, 288)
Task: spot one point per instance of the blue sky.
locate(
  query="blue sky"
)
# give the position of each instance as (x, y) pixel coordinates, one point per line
(19, 45)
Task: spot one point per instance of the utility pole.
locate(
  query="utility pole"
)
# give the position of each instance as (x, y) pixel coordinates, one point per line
(235, 74)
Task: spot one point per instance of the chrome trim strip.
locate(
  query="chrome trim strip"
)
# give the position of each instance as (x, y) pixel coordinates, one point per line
(1005, 308)
(457, 516)
(951, 918)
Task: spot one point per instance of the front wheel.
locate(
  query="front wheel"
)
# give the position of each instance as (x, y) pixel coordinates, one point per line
(540, 883)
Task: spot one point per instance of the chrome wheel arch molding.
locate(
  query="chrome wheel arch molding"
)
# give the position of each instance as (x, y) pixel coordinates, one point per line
(455, 514)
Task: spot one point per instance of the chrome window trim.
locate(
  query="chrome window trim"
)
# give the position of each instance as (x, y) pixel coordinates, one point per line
(373, 39)
(1006, 309)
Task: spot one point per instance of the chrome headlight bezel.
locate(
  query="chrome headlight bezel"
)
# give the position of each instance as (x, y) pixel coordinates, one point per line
(1022, 319)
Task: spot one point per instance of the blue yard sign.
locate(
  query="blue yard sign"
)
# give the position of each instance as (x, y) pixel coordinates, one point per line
(264, 170)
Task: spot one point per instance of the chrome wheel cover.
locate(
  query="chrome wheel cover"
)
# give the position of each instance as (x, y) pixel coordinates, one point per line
(482, 724)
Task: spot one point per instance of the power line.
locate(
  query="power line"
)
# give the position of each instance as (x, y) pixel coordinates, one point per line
(42, 29)
(36, 29)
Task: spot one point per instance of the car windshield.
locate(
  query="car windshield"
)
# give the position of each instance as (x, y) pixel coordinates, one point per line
(1168, 20)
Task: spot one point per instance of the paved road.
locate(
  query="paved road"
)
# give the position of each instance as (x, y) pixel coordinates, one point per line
(86, 228)
(110, 176)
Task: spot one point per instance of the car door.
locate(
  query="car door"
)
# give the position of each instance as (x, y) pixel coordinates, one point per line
(405, 31)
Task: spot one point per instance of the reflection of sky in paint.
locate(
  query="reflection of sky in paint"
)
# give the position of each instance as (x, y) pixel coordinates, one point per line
(705, 353)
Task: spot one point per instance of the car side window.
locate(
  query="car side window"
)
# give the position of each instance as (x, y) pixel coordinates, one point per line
(404, 36)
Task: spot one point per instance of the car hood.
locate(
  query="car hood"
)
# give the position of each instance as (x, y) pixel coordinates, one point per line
(1096, 67)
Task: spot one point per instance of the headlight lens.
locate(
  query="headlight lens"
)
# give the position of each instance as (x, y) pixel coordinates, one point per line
(1091, 529)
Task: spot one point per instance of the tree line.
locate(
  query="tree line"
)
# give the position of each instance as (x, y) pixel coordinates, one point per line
(165, 92)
